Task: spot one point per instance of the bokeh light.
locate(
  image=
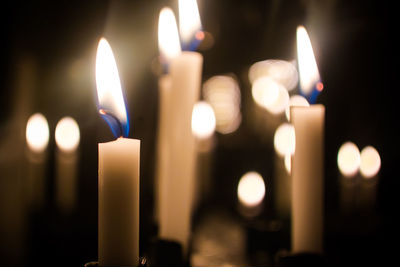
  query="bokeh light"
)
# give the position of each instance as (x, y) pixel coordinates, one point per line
(348, 159)
(203, 120)
(223, 94)
(288, 163)
(67, 134)
(281, 71)
(251, 189)
(285, 140)
(270, 95)
(370, 162)
(37, 132)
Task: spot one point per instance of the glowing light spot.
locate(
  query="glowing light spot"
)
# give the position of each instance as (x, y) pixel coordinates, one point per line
(37, 133)
(251, 189)
(298, 101)
(270, 95)
(168, 37)
(348, 159)
(320, 86)
(288, 163)
(281, 71)
(308, 69)
(223, 94)
(200, 35)
(67, 134)
(203, 120)
(285, 140)
(370, 162)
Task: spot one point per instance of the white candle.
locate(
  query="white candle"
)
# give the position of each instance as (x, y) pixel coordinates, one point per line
(119, 161)
(307, 179)
(67, 139)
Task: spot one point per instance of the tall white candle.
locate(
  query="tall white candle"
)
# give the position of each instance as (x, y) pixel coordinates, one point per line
(119, 161)
(307, 179)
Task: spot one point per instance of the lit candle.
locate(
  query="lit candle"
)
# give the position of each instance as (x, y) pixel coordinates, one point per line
(307, 168)
(67, 139)
(177, 195)
(119, 163)
(37, 139)
(169, 46)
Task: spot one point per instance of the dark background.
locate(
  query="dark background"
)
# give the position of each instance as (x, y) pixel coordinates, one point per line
(47, 65)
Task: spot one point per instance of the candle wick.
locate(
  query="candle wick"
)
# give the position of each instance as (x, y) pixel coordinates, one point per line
(110, 114)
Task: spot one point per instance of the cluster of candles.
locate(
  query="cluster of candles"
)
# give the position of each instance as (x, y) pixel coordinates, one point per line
(183, 120)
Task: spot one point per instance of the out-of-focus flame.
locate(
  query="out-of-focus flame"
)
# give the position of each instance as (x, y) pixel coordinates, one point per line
(223, 94)
(67, 134)
(370, 162)
(281, 71)
(348, 159)
(285, 139)
(111, 102)
(168, 37)
(310, 83)
(251, 189)
(37, 133)
(189, 24)
(203, 120)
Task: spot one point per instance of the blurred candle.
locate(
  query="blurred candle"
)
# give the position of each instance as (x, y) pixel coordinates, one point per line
(119, 161)
(67, 137)
(308, 159)
(37, 139)
(169, 46)
(177, 194)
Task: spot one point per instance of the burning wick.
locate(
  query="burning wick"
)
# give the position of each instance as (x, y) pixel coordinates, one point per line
(103, 112)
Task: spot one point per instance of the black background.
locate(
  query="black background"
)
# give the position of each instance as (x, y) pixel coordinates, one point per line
(54, 43)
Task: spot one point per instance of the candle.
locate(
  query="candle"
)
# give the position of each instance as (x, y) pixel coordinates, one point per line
(176, 194)
(119, 163)
(37, 139)
(307, 167)
(67, 139)
(168, 41)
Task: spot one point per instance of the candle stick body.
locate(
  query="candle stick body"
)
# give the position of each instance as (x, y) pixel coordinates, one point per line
(119, 163)
(307, 179)
(164, 122)
(66, 180)
(177, 193)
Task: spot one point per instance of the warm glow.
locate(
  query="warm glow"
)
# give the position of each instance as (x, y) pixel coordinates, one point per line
(67, 134)
(109, 91)
(295, 101)
(288, 163)
(223, 94)
(370, 162)
(285, 140)
(281, 71)
(189, 20)
(203, 120)
(348, 159)
(168, 37)
(308, 70)
(37, 133)
(251, 189)
(270, 95)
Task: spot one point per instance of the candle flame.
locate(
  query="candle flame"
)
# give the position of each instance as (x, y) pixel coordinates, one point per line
(109, 92)
(168, 37)
(189, 24)
(308, 70)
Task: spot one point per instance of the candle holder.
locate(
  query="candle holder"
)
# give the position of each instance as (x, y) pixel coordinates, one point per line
(142, 263)
(288, 259)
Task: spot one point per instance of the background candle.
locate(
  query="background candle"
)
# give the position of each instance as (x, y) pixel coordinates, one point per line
(67, 137)
(307, 179)
(119, 160)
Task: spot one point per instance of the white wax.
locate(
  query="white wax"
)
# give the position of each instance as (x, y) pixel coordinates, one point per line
(307, 179)
(119, 163)
(164, 122)
(177, 194)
